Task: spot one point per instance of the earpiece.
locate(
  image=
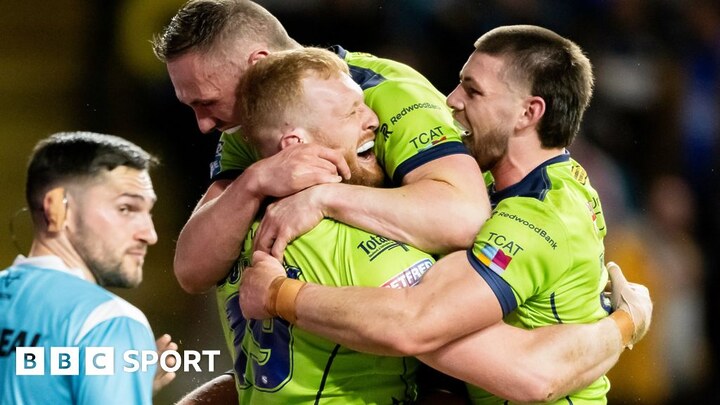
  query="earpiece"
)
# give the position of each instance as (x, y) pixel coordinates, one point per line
(55, 209)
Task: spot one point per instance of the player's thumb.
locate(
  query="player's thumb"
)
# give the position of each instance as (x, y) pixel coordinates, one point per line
(617, 278)
(259, 256)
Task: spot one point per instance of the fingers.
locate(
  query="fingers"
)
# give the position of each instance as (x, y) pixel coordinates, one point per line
(260, 256)
(278, 248)
(617, 278)
(337, 159)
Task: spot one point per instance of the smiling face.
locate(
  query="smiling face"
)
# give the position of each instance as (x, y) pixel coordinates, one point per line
(207, 83)
(488, 105)
(336, 116)
(112, 227)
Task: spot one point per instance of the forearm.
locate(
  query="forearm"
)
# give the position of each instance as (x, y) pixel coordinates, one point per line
(435, 211)
(210, 241)
(451, 301)
(329, 312)
(532, 366)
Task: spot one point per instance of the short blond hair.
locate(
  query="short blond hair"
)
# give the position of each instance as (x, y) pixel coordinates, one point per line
(271, 92)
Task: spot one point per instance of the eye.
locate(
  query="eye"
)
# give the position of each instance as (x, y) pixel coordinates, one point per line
(124, 209)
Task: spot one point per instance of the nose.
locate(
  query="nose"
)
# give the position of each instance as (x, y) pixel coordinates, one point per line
(147, 233)
(454, 100)
(371, 121)
(206, 123)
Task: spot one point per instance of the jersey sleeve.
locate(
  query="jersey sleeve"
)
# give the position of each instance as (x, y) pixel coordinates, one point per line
(122, 333)
(521, 251)
(232, 155)
(416, 126)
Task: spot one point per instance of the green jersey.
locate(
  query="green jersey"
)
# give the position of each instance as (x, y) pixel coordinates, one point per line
(415, 126)
(278, 363)
(542, 252)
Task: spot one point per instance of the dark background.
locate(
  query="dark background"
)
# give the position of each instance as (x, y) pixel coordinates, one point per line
(649, 141)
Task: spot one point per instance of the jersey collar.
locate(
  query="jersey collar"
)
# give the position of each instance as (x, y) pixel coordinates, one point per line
(48, 262)
(535, 185)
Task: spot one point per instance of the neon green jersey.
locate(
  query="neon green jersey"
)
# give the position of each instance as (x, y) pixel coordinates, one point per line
(277, 363)
(415, 127)
(542, 253)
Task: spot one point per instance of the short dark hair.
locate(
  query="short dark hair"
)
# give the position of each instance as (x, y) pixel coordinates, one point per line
(203, 24)
(70, 157)
(554, 67)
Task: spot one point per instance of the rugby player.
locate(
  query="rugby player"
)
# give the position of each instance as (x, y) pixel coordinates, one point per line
(539, 259)
(209, 45)
(293, 98)
(79, 186)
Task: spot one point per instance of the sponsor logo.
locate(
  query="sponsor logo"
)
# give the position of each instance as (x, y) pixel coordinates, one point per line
(215, 164)
(384, 131)
(417, 106)
(377, 245)
(11, 338)
(429, 138)
(579, 174)
(503, 242)
(101, 360)
(539, 231)
(410, 276)
(493, 257)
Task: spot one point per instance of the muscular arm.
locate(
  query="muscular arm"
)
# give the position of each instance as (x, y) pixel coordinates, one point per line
(451, 301)
(438, 209)
(226, 210)
(531, 365)
(210, 241)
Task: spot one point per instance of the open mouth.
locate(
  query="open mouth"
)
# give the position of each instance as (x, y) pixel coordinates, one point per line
(365, 151)
(463, 131)
(232, 130)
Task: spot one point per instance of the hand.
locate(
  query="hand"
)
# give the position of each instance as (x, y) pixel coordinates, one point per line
(288, 218)
(298, 167)
(255, 285)
(632, 298)
(162, 377)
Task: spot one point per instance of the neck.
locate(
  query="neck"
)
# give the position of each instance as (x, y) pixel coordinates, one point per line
(523, 157)
(59, 246)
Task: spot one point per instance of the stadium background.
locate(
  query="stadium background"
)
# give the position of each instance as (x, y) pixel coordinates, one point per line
(649, 141)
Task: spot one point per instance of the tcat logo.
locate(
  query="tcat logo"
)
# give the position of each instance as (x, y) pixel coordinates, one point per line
(429, 138)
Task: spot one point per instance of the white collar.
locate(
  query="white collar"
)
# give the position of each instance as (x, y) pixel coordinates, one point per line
(49, 262)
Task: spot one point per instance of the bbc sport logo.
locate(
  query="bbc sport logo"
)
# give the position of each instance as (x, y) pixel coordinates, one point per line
(101, 360)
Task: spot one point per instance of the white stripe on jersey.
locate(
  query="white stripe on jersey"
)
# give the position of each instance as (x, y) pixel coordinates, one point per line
(114, 308)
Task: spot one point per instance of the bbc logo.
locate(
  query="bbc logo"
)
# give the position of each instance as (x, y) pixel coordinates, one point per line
(101, 360)
(65, 361)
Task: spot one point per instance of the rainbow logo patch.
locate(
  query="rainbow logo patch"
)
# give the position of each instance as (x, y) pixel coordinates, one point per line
(494, 258)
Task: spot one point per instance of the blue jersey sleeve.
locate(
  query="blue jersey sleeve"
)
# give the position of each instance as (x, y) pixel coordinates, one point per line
(123, 334)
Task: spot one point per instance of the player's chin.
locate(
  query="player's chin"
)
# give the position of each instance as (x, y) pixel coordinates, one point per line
(133, 271)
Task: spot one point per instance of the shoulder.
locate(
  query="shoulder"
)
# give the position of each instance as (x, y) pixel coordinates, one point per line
(114, 309)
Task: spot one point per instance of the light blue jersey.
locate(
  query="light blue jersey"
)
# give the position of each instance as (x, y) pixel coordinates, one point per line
(45, 304)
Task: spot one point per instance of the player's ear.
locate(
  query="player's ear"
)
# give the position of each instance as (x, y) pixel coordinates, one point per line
(533, 113)
(295, 136)
(257, 55)
(55, 208)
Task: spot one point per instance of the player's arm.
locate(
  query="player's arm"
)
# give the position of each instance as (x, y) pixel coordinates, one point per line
(451, 301)
(546, 363)
(438, 209)
(439, 202)
(536, 365)
(210, 241)
(123, 334)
